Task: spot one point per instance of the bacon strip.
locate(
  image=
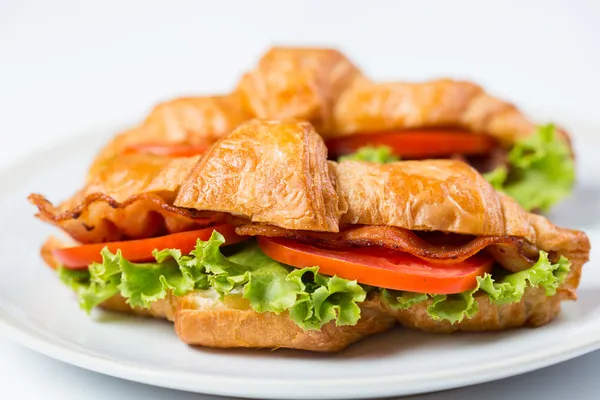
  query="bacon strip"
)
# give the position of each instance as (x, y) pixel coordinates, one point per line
(514, 254)
(100, 218)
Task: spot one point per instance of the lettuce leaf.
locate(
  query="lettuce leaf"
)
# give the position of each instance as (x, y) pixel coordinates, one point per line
(263, 279)
(269, 286)
(403, 300)
(542, 170)
(374, 154)
(505, 290)
(323, 299)
(542, 274)
(454, 307)
(90, 294)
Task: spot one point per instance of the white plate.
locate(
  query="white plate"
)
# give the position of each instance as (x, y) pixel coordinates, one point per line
(42, 314)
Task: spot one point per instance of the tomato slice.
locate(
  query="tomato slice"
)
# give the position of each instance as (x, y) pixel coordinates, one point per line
(80, 257)
(167, 150)
(418, 143)
(381, 267)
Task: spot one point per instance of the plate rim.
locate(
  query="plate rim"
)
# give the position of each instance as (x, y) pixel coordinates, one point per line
(272, 388)
(389, 385)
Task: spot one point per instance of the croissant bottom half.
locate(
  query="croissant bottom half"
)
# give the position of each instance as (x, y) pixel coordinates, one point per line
(202, 319)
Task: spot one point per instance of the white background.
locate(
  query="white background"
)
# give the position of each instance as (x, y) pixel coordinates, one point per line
(69, 66)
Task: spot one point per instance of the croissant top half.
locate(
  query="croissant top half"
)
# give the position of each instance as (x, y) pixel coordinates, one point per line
(323, 87)
(301, 83)
(277, 173)
(270, 172)
(378, 107)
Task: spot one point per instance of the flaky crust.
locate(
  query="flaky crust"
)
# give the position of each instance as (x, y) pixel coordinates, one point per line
(194, 121)
(301, 83)
(450, 196)
(130, 197)
(214, 324)
(322, 86)
(206, 321)
(444, 195)
(369, 107)
(272, 172)
(218, 325)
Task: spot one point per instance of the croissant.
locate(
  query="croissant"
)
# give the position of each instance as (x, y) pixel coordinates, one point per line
(262, 165)
(323, 87)
(193, 123)
(331, 252)
(300, 83)
(379, 107)
(362, 119)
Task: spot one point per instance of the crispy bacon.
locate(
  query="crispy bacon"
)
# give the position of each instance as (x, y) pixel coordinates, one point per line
(514, 254)
(100, 218)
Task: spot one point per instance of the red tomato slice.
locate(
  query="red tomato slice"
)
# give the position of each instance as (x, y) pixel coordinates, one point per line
(381, 267)
(167, 150)
(80, 257)
(418, 143)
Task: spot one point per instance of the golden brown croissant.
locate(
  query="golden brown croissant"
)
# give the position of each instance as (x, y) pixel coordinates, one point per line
(201, 319)
(301, 83)
(379, 107)
(269, 172)
(443, 195)
(273, 180)
(323, 87)
(196, 122)
(419, 196)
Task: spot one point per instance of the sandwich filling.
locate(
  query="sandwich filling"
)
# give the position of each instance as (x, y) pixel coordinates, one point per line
(314, 284)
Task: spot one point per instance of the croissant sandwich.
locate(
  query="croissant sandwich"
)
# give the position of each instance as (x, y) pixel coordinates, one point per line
(263, 242)
(365, 120)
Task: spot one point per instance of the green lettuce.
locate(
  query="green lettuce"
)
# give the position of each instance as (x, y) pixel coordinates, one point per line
(542, 170)
(89, 293)
(403, 300)
(269, 286)
(505, 290)
(311, 299)
(374, 154)
(322, 299)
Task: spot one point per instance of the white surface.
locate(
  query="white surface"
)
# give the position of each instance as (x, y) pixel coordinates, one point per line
(67, 67)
